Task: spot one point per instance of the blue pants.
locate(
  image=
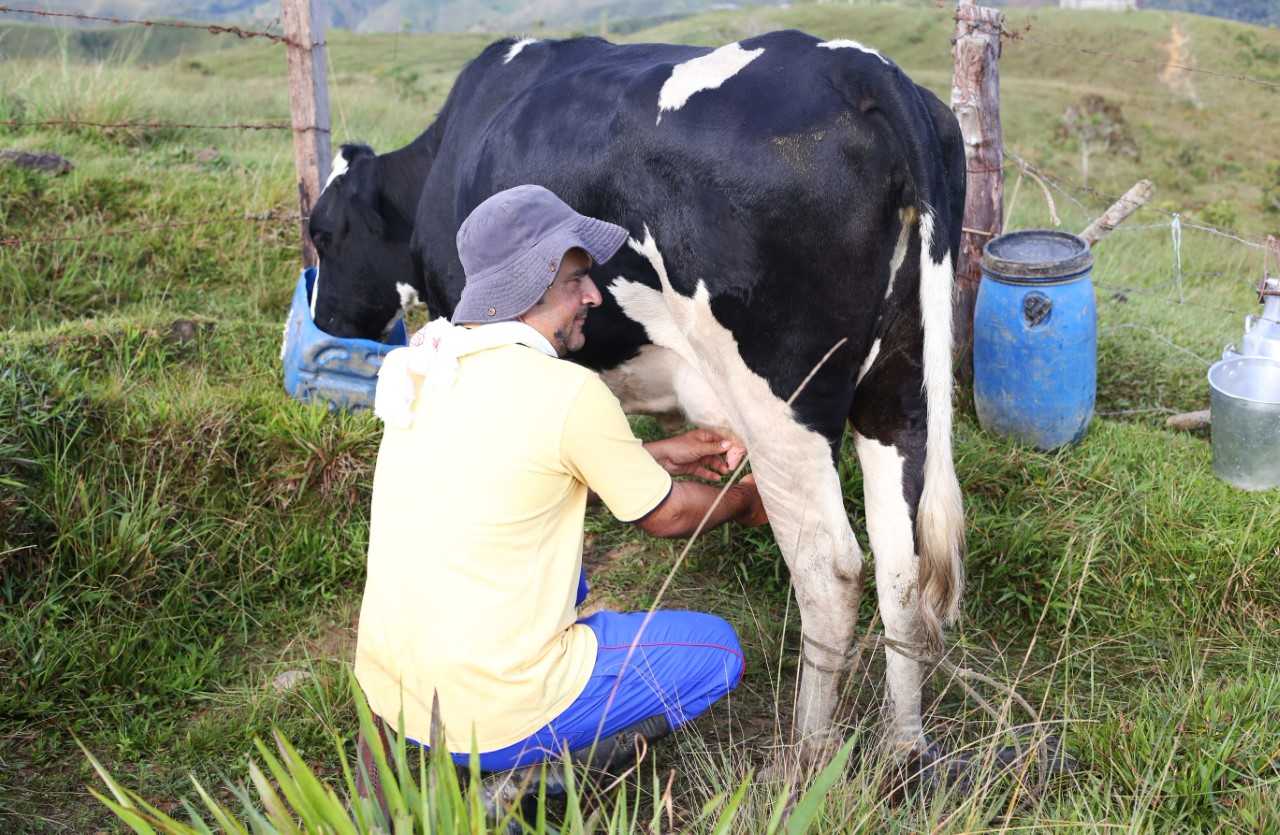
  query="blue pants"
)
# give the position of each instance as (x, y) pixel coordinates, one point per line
(683, 662)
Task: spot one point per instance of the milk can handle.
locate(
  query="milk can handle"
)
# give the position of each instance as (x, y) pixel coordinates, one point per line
(1250, 320)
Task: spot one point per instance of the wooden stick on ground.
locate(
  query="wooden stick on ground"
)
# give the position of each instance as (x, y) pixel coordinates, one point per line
(1133, 199)
(1189, 421)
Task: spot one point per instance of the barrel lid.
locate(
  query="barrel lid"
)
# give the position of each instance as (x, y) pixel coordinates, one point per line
(1036, 255)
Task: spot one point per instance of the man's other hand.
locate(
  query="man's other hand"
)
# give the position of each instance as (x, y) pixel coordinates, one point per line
(752, 515)
(701, 453)
(691, 505)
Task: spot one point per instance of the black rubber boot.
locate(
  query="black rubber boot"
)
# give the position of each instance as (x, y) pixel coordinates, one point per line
(611, 754)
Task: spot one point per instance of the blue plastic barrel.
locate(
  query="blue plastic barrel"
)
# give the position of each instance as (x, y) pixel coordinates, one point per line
(1035, 338)
(343, 373)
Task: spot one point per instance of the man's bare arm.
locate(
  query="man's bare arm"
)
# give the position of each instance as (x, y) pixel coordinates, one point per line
(688, 502)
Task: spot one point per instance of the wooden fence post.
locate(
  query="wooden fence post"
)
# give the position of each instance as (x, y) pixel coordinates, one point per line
(309, 108)
(975, 99)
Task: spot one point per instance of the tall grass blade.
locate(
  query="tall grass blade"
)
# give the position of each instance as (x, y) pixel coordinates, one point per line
(811, 803)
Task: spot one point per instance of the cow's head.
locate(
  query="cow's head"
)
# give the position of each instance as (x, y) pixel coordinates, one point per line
(362, 239)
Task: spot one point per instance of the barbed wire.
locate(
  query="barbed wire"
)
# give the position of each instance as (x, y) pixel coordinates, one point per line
(211, 28)
(1066, 190)
(122, 231)
(1175, 221)
(1028, 35)
(18, 123)
(1150, 330)
(1164, 293)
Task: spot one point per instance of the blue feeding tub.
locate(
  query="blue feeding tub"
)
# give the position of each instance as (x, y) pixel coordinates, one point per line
(342, 373)
(1035, 338)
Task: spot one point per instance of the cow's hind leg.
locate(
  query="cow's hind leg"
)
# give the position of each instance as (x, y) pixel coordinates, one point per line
(890, 474)
(889, 419)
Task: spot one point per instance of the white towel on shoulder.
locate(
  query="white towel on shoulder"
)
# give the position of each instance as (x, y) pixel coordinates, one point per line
(432, 356)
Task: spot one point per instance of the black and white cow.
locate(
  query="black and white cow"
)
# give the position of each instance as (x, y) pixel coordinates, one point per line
(782, 193)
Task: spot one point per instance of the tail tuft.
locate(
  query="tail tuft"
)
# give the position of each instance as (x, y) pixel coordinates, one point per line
(940, 517)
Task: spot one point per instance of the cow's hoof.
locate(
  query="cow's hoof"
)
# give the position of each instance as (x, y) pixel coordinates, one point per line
(925, 770)
(932, 768)
(1048, 759)
(936, 769)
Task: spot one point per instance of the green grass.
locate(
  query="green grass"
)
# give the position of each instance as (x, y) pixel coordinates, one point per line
(175, 533)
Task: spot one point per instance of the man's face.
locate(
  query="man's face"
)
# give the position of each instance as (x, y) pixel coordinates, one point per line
(562, 311)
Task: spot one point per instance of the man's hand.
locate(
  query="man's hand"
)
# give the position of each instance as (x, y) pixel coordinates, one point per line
(701, 453)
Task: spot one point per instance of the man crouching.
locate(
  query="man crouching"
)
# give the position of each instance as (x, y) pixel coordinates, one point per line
(492, 444)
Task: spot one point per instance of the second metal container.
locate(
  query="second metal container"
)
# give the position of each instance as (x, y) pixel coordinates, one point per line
(1244, 402)
(1035, 338)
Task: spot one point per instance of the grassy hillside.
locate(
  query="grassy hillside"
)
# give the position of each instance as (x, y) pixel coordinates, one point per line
(175, 533)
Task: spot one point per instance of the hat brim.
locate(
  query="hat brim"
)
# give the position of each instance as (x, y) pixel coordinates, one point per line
(509, 290)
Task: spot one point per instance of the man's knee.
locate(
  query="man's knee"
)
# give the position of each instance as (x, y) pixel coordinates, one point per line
(726, 659)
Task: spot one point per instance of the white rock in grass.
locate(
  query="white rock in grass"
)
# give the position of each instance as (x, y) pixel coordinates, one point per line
(288, 680)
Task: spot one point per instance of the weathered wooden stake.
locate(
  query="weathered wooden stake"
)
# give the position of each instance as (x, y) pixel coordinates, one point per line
(975, 99)
(309, 108)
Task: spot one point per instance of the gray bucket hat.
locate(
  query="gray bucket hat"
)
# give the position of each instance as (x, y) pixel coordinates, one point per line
(511, 246)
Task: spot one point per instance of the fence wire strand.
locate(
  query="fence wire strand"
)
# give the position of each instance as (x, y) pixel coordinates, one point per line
(1066, 190)
(211, 28)
(1173, 227)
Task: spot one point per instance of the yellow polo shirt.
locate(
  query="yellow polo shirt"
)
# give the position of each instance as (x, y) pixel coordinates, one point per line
(475, 546)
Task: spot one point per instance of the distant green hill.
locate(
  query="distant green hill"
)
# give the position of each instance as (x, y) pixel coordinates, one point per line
(1261, 12)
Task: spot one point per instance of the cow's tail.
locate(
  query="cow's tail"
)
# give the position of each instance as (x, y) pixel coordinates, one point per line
(930, 156)
(940, 516)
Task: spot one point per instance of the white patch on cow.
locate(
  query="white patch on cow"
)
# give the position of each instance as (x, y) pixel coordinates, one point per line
(850, 44)
(940, 515)
(899, 250)
(871, 357)
(707, 72)
(408, 295)
(339, 168)
(792, 464)
(516, 48)
(315, 292)
(893, 547)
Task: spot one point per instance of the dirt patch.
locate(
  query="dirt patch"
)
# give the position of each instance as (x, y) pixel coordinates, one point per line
(1177, 72)
(600, 559)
